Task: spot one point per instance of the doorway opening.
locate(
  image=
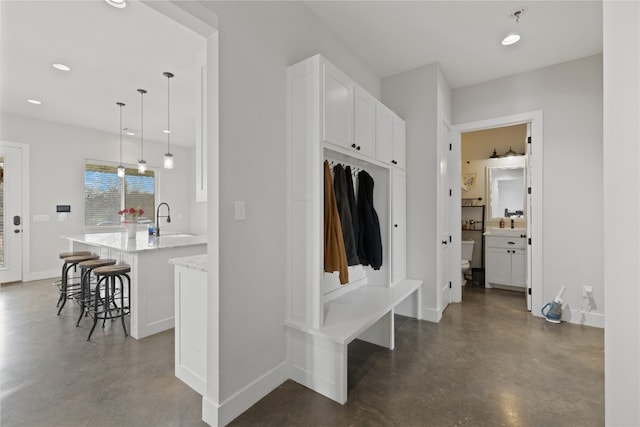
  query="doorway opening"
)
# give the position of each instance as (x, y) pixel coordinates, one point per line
(521, 135)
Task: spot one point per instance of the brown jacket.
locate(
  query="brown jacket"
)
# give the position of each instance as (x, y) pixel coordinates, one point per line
(335, 257)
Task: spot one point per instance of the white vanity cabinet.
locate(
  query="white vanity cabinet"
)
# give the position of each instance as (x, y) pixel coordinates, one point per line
(399, 226)
(506, 258)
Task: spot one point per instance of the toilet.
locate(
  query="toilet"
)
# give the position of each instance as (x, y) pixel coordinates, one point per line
(467, 255)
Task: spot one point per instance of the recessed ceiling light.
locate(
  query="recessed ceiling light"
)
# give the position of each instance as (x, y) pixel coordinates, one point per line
(34, 101)
(120, 4)
(510, 39)
(166, 131)
(61, 67)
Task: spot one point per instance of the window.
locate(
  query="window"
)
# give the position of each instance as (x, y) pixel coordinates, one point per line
(104, 194)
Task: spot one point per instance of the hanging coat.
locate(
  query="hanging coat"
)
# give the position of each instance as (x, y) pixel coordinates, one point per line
(344, 210)
(335, 258)
(355, 219)
(370, 242)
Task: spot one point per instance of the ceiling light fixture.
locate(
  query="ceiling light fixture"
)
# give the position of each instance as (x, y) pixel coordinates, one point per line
(61, 67)
(34, 101)
(168, 157)
(514, 36)
(120, 4)
(120, 167)
(142, 165)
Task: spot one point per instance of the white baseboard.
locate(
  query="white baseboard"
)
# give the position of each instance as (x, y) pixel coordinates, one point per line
(588, 319)
(431, 314)
(222, 414)
(41, 275)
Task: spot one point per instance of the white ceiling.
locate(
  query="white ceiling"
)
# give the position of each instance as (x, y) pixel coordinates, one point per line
(464, 36)
(112, 52)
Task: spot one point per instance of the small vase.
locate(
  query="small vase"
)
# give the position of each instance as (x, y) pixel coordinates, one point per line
(132, 229)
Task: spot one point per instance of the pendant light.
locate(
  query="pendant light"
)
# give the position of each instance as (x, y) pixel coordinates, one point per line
(168, 157)
(120, 167)
(142, 165)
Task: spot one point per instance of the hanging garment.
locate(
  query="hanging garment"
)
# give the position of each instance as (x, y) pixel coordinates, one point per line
(370, 242)
(335, 258)
(344, 210)
(355, 220)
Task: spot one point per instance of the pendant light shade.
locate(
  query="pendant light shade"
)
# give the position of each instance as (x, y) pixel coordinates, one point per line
(142, 165)
(120, 167)
(168, 157)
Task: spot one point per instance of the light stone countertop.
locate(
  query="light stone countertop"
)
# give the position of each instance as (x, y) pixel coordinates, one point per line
(142, 243)
(197, 262)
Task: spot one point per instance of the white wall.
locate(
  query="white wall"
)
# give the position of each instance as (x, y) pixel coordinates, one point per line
(621, 28)
(58, 155)
(570, 96)
(257, 42)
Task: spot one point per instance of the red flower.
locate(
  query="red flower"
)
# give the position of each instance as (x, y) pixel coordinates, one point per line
(132, 211)
(140, 212)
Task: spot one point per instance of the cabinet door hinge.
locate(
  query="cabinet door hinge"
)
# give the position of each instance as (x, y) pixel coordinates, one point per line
(529, 241)
(529, 140)
(450, 285)
(450, 192)
(450, 147)
(529, 190)
(529, 290)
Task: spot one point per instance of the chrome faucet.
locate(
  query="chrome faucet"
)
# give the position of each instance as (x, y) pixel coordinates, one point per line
(168, 216)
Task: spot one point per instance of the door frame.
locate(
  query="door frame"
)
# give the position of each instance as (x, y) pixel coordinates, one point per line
(26, 215)
(535, 162)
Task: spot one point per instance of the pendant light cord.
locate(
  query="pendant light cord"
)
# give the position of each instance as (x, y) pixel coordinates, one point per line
(120, 104)
(168, 75)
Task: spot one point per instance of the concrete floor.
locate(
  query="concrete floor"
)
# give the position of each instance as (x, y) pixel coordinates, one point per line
(487, 363)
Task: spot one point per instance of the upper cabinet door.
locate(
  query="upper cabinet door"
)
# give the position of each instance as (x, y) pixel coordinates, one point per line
(365, 123)
(384, 134)
(338, 107)
(399, 143)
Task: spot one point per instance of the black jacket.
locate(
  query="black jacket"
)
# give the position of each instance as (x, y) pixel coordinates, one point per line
(369, 240)
(344, 209)
(351, 195)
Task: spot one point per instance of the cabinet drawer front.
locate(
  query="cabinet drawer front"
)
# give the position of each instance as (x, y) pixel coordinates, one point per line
(506, 242)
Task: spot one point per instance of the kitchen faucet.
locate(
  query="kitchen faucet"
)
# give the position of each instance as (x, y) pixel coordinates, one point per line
(168, 216)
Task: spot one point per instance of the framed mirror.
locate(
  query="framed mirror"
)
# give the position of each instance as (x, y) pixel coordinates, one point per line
(506, 192)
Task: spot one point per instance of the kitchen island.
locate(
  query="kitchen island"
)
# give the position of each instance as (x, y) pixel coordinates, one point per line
(152, 285)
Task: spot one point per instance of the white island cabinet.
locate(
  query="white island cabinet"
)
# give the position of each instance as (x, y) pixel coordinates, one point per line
(152, 293)
(191, 321)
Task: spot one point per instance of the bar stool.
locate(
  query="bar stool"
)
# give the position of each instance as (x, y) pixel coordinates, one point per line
(67, 289)
(105, 305)
(86, 267)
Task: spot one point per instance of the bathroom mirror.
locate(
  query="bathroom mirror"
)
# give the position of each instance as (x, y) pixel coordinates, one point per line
(506, 192)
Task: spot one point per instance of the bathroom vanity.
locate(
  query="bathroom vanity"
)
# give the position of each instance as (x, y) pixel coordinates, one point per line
(506, 258)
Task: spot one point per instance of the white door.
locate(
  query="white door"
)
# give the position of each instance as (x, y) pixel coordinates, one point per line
(528, 215)
(399, 228)
(444, 234)
(10, 214)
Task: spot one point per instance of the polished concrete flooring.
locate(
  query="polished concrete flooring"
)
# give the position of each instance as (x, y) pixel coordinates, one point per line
(487, 363)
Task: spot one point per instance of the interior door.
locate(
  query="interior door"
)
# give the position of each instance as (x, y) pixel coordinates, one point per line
(528, 215)
(444, 207)
(10, 214)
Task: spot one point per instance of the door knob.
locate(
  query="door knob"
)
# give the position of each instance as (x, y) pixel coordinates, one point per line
(395, 225)
(444, 242)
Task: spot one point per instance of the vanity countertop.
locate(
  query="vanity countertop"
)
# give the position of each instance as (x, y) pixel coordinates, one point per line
(142, 243)
(510, 232)
(197, 262)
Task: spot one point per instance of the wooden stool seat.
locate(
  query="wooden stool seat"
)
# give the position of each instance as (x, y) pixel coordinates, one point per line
(93, 263)
(75, 259)
(112, 270)
(64, 255)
